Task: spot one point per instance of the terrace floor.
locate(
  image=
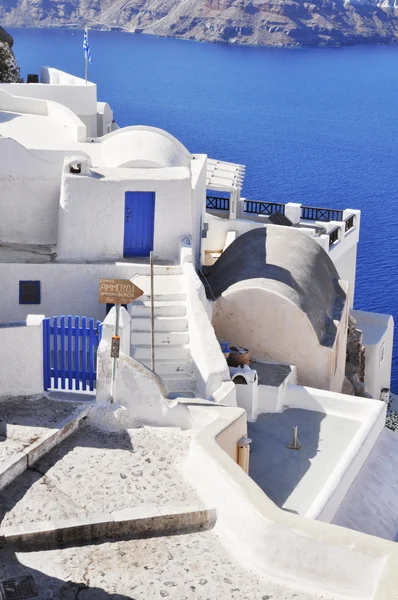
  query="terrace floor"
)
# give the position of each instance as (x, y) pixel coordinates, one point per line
(293, 479)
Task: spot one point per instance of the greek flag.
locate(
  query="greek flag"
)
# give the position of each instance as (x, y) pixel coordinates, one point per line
(86, 47)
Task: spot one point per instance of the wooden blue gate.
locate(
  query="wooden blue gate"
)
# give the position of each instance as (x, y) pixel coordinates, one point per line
(70, 352)
(139, 219)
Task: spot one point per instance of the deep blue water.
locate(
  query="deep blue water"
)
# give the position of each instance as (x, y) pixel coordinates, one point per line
(316, 126)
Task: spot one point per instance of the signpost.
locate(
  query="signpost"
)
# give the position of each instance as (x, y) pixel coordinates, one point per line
(117, 292)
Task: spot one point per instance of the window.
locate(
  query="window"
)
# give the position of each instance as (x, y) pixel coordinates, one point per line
(29, 292)
(382, 352)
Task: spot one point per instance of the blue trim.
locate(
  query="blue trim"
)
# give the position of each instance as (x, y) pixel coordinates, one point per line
(20, 291)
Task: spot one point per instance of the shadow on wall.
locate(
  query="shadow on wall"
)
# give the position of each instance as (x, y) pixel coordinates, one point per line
(269, 456)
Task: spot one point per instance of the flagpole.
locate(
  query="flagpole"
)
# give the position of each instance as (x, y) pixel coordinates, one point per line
(86, 53)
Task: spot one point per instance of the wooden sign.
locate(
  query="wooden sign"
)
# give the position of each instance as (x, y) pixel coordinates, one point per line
(118, 291)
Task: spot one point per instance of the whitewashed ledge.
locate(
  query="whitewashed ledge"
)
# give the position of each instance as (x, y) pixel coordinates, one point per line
(21, 461)
(134, 522)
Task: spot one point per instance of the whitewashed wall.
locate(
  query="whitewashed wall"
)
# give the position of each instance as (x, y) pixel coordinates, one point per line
(276, 330)
(66, 89)
(199, 166)
(66, 289)
(378, 339)
(21, 358)
(29, 199)
(91, 217)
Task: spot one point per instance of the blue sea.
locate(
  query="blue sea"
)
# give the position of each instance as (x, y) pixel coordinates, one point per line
(317, 126)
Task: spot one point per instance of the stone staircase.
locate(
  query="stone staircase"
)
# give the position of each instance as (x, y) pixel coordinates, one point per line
(172, 355)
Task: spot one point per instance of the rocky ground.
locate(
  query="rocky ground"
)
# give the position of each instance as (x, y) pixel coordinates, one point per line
(392, 413)
(24, 420)
(93, 472)
(262, 22)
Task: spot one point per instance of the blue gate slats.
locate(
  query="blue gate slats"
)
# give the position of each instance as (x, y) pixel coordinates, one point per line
(84, 351)
(91, 345)
(70, 353)
(72, 362)
(55, 332)
(77, 353)
(63, 357)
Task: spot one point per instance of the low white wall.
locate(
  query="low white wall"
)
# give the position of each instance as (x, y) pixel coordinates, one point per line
(378, 340)
(63, 88)
(308, 555)
(140, 392)
(211, 367)
(59, 112)
(21, 357)
(371, 415)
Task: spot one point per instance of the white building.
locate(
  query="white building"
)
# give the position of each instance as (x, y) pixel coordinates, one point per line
(83, 200)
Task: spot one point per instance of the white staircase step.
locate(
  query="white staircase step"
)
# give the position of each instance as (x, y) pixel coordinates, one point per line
(167, 352)
(165, 297)
(142, 308)
(163, 284)
(180, 385)
(162, 338)
(170, 367)
(161, 324)
(142, 268)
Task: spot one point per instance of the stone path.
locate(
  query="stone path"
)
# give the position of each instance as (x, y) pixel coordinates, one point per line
(24, 421)
(94, 472)
(182, 567)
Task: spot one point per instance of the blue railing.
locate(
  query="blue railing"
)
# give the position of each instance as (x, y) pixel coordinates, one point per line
(217, 203)
(263, 208)
(311, 213)
(70, 352)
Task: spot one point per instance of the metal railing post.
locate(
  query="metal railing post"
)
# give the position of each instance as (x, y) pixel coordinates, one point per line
(152, 314)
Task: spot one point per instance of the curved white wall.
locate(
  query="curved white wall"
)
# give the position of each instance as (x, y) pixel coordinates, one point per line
(143, 147)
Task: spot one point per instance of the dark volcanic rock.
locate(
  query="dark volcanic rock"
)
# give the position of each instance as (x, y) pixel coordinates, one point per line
(262, 22)
(9, 69)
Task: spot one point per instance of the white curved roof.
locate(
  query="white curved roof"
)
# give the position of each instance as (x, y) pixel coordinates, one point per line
(141, 146)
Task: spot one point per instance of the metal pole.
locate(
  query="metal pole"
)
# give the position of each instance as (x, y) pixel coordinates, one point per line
(86, 53)
(152, 312)
(114, 360)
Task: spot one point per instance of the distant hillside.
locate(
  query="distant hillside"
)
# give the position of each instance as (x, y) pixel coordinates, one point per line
(263, 22)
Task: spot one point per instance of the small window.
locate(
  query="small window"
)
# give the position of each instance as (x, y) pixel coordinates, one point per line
(29, 292)
(382, 352)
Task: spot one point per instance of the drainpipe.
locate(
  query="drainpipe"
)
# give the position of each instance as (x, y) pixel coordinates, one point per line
(244, 453)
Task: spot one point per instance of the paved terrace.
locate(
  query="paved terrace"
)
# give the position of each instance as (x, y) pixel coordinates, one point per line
(291, 478)
(94, 472)
(24, 421)
(182, 567)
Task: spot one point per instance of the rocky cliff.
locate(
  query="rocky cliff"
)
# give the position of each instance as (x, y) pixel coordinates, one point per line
(265, 22)
(9, 70)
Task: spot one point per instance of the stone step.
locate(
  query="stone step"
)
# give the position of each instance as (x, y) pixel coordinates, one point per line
(142, 269)
(170, 367)
(162, 338)
(143, 351)
(161, 324)
(180, 384)
(163, 285)
(165, 296)
(142, 308)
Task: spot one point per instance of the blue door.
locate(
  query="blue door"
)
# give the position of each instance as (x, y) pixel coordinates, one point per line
(139, 218)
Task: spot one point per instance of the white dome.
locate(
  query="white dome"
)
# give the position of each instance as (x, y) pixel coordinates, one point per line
(143, 147)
